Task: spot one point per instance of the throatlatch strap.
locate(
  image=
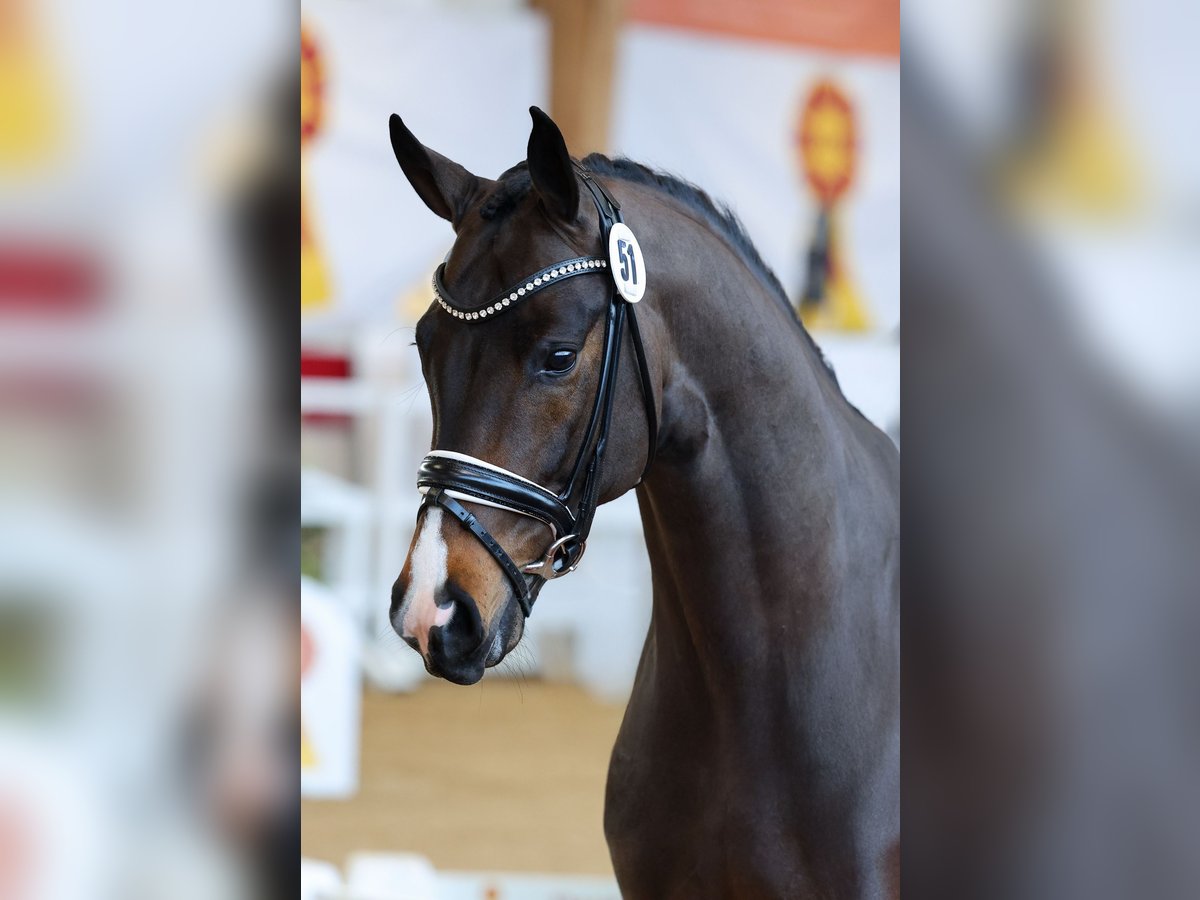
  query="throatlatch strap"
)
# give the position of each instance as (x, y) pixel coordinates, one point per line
(647, 391)
(524, 597)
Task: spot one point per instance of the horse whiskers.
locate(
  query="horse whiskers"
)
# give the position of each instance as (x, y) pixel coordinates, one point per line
(386, 636)
(387, 337)
(384, 631)
(519, 663)
(516, 665)
(411, 394)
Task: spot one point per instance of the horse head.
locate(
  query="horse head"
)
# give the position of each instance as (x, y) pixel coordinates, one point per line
(520, 354)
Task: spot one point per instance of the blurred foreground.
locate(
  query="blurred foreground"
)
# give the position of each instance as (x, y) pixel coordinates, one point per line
(148, 698)
(1052, 388)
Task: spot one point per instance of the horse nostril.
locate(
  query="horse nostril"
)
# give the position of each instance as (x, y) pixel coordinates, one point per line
(461, 636)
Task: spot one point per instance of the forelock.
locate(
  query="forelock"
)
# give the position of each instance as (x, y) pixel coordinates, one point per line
(510, 189)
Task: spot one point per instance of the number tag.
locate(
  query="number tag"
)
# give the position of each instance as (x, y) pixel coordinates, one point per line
(626, 263)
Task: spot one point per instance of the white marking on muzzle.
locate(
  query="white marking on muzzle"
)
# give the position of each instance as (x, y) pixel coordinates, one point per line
(427, 574)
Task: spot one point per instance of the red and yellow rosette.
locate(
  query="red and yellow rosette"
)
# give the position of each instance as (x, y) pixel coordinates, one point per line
(827, 146)
(315, 290)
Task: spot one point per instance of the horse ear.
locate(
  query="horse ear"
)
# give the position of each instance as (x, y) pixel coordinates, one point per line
(445, 186)
(550, 167)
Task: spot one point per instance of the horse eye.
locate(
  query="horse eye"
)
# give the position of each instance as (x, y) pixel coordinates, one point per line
(560, 362)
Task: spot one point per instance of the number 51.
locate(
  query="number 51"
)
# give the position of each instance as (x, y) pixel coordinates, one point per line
(628, 261)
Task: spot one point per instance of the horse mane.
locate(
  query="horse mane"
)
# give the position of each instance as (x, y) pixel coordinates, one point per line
(719, 215)
(515, 183)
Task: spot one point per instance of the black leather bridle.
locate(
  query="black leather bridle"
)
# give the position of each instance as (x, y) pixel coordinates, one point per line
(446, 477)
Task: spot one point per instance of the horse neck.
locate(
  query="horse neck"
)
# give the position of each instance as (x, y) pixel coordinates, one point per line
(743, 509)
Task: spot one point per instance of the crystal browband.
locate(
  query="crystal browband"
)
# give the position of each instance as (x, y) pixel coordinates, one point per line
(581, 265)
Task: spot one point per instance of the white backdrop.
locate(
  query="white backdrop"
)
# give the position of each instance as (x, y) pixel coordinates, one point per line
(718, 111)
(462, 82)
(722, 112)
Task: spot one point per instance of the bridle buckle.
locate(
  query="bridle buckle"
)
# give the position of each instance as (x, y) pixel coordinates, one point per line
(546, 566)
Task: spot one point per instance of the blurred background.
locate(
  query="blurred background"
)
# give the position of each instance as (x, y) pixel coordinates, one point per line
(148, 701)
(788, 112)
(151, 732)
(1051, 283)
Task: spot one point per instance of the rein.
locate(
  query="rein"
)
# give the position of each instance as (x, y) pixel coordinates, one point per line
(446, 477)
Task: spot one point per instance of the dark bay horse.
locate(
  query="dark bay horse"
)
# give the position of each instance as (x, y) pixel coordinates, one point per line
(759, 755)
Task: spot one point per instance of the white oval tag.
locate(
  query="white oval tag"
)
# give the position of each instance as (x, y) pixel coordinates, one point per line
(626, 263)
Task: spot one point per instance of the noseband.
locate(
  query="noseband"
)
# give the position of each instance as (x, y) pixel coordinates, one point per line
(446, 477)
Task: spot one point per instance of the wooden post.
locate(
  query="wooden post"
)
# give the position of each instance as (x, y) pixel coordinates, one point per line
(583, 46)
